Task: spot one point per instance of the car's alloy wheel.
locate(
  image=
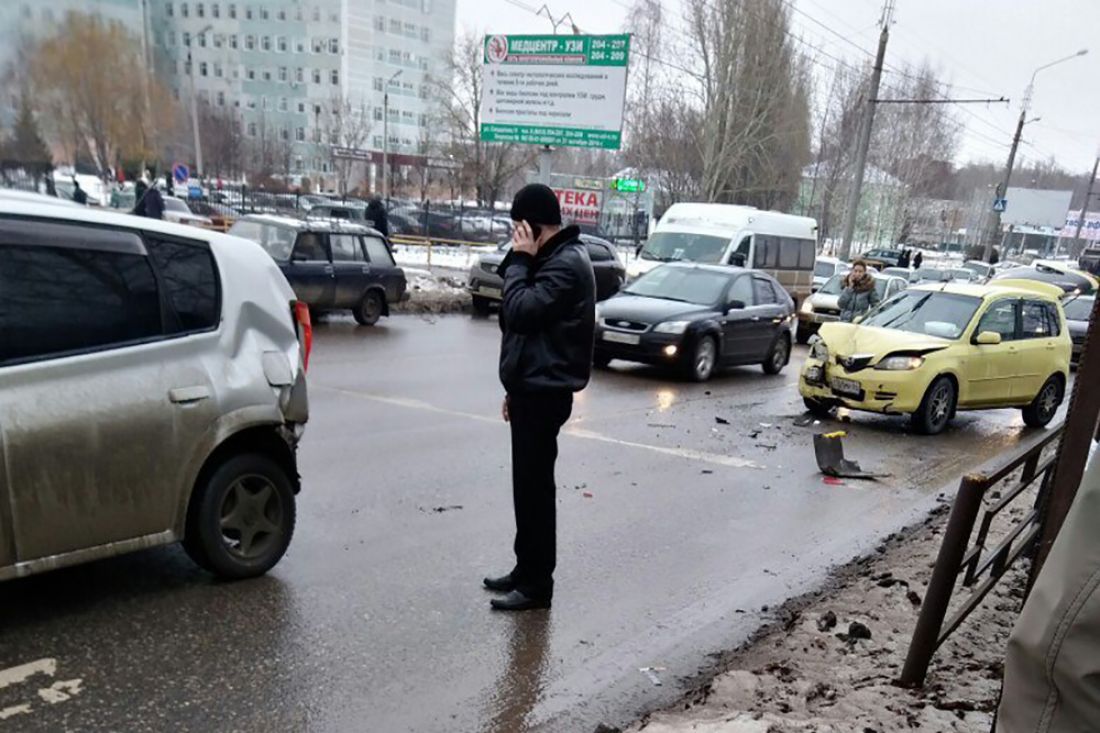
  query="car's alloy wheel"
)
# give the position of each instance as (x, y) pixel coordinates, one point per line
(251, 517)
(241, 516)
(937, 407)
(1042, 409)
(777, 359)
(704, 359)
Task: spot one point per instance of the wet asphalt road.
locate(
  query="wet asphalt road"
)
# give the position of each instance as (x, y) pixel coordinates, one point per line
(674, 532)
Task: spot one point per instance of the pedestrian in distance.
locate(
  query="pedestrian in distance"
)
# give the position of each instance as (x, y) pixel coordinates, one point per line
(79, 195)
(149, 203)
(859, 294)
(918, 260)
(547, 322)
(903, 259)
(376, 212)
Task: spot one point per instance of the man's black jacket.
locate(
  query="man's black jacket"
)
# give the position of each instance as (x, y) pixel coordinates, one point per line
(548, 317)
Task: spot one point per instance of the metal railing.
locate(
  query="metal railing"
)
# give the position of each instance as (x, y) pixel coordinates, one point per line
(981, 567)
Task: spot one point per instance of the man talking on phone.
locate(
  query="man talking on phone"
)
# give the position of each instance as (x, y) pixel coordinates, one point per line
(547, 318)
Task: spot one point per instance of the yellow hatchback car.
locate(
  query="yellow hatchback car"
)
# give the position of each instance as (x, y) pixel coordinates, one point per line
(935, 349)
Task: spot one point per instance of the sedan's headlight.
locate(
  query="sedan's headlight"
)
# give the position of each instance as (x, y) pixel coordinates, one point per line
(818, 349)
(900, 363)
(671, 327)
(807, 306)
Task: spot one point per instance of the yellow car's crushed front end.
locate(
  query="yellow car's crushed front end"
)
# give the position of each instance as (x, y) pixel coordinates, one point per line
(870, 369)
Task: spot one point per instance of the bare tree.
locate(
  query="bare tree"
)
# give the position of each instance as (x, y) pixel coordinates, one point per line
(223, 141)
(487, 167)
(346, 125)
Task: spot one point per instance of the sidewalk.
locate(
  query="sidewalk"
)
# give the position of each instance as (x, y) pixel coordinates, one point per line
(828, 661)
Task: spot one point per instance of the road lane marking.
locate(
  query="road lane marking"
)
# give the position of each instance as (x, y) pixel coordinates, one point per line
(23, 672)
(574, 432)
(61, 691)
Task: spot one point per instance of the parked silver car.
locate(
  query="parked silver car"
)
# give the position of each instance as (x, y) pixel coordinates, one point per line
(153, 382)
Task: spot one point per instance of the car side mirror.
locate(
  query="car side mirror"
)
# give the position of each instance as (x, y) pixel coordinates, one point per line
(737, 259)
(988, 338)
(735, 305)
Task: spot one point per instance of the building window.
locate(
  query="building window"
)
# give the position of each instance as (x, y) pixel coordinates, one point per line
(377, 114)
(300, 46)
(300, 136)
(265, 43)
(334, 76)
(221, 99)
(284, 134)
(236, 74)
(233, 41)
(334, 45)
(265, 14)
(215, 10)
(300, 75)
(250, 42)
(318, 45)
(263, 102)
(248, 12)
(252, 104)
(281, 44)
(379, 54)
(334, 16)
(379, 24)
(283, 106)
(316, 76)
(202, 40)
(395, 56)
(202, 68)
(184, 10)
(425, 34)
(410, 30)
(232, 11)
(316, 15)
(267, 75)
(186, 37)
(252, 129)
(218, 71)
(377, 84)
(169, 10)
(395, 26)
(298, 15)
(200, 10)
(283, 74)
(317, 109)
(251, 74)
(218, 40)
(377, 141)
(301, 108)
(281, 15)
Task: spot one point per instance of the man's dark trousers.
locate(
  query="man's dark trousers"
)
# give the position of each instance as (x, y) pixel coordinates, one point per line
(536, 418)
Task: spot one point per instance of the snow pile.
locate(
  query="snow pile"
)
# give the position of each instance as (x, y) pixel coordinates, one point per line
(431, 293)
(829, 664)
(459, 257)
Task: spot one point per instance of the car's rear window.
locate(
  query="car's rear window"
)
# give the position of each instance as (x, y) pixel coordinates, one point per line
(1078, 309)
(278, 241)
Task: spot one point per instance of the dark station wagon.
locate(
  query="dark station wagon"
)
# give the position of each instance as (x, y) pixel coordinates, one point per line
(332, 265)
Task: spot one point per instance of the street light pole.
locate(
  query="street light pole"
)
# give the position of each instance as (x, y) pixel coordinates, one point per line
(1088, 198)
(993, 232)
(194, 102)
(386, 137)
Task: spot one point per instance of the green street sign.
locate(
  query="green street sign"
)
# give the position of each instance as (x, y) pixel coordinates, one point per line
(565, 91)
(628, 185)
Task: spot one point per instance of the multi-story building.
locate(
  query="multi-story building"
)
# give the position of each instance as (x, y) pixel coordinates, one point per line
(288, 69)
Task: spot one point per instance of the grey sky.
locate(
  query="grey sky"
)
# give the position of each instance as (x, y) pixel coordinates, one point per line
(977, 44)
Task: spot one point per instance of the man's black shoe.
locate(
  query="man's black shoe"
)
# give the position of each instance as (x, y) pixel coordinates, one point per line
(503, 584)
(518, 601)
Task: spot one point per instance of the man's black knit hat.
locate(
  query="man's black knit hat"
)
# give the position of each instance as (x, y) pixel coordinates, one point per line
(536, 203)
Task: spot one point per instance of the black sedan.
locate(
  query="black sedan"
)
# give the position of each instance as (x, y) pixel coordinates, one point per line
(1078, 313)
(486, 285)
(698, 318)
(1070, 282)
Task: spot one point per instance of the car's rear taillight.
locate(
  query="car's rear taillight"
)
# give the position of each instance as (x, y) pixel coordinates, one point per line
(305, 330)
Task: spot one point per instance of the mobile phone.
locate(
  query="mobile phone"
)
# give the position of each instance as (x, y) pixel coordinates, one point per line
(536, 230)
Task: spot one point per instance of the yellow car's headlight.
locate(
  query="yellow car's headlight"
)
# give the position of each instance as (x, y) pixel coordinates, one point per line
(900, 363)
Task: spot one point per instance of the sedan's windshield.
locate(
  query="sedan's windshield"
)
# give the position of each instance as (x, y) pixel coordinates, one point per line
(933, 274)
(824, 269)
(944, 315)
(172, 204)
(673, 246)
(680, 283)
(1078, 309)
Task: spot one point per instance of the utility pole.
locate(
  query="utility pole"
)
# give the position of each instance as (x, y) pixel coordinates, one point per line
(865, 135)
(993, 232)
(1088, 198)
(386, 138)
(195, 104)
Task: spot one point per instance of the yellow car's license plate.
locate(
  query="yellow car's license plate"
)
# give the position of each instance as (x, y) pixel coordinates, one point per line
(846, 387)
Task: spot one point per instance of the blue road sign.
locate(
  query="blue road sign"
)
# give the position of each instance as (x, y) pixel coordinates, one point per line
(181, 172)
(194, 192)
(1000, 204)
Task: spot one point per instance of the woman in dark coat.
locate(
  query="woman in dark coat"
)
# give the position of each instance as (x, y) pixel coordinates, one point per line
(859, 294)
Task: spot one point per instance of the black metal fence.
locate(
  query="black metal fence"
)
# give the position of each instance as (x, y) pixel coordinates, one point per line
(980, 565)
